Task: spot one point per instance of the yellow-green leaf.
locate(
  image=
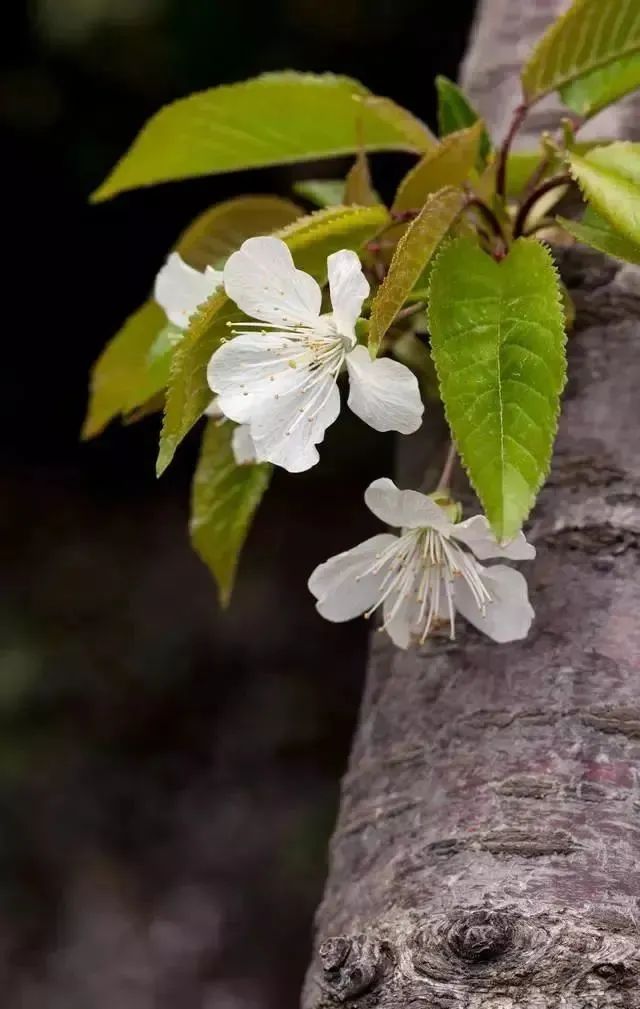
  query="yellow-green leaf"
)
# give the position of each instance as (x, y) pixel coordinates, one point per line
(134, 366)
(120, 378)
(358, 187)
(595, 231)
(220, 230)
(449, 164)
(311, 239)
(224, 499)
(498, 342)
(278, 118)
(412, 254)
(588, 36)
(594, 91)
(610, 179)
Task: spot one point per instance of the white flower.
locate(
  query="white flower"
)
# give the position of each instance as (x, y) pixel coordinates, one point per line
(244, 451)
(421, 577)
(179, 289)
(281, 378)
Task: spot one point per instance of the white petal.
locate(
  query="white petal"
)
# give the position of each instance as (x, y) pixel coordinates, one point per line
(252, 367)
(401, 626)
(286, 430)
(348, 287)
(339, 595)
(508, 617)
(179, 289)
(244, 451)
(262, 280)
(406, 509)
(383, 393)
(213, 410)
(476, 533)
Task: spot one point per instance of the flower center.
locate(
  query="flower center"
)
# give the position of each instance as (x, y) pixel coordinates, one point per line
(420, 568)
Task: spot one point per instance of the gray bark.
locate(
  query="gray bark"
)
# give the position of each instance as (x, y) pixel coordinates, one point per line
(487, 849)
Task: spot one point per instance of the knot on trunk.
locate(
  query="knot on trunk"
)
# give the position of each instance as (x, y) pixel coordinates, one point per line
(478, 946)
(352, 965)
(481, 935)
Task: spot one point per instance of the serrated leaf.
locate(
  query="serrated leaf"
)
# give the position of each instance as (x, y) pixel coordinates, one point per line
(412, 255)
(609, 177)
(311, 239)
(455, 112)
(321, 192)
(449, 164)
(595, 231)
(224, 499)
(594, 91)
(588, 36)
(120, 378)
(277, 118)
(498, 343)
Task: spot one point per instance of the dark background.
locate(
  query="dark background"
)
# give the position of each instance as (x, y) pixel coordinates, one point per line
(168, 773)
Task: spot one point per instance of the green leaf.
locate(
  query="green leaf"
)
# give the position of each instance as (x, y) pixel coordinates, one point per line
(278, 118)
(412, 254)
(224, 499)
(311, 239)
(590, 35)
(358, 187)
(609, 177)
(522, 164)
(449, 164)
(214, 235)
(321, 192)
(498, 343)
(455, 112)
(120, 378)
(594, 91)
(595, 231)
(134, 366)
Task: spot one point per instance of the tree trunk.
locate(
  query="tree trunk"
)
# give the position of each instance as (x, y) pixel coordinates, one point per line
(487, 851)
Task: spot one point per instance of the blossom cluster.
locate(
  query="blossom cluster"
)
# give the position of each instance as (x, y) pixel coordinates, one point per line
(277, 379)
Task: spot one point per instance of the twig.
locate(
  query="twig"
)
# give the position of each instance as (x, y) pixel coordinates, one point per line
(404, 313)
(528, 204)
(477, 204)
(519, 115)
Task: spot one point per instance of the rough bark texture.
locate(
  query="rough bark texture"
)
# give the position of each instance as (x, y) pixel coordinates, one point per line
(487, 850)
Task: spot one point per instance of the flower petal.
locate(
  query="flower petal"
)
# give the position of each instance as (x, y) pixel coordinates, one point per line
(253, 367)
(244, 451)
(383, 393)
(213, 410)
(348, 287)
(406, 509)
(285, 430)
(341, 589)
(262, 280)
(179, 289)
(400, 619)
(477, 534)
(509, 615)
